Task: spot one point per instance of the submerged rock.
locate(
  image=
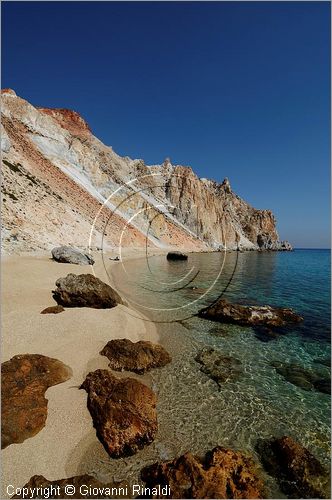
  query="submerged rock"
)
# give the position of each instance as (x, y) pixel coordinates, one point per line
(306, 379)
(85, 290)
(84, 486)
(298, 472)
(25, 378)
(218, 367)
(219, 331)
(137, 357)
(176, 256)
(71, 255)
(222, 473)
(267, 334)
(323, 385)
(123, 412)
(53, 310)
(226, 312)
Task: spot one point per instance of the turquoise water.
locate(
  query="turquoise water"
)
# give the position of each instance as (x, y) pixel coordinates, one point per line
(299, 279)
(196, 414)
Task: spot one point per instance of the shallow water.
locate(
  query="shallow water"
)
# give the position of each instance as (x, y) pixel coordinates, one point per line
(194, 414)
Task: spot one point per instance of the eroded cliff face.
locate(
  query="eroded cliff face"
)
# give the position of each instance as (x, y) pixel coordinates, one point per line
(60, 184)
(216, 214)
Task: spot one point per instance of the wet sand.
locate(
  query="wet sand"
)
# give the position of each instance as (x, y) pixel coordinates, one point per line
(75, 337)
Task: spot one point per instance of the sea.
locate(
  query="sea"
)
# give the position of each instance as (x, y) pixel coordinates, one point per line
(195, 413)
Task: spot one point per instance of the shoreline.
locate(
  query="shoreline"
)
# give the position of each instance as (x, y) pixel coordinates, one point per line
(129, 253)
(75, 337)
(67, 446)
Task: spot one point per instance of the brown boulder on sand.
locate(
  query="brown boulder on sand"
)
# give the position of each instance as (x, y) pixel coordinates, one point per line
(298, 472)
(84, 486)
(225, 312)
(123, 412)
(85, 290)
(24, 380)
(53, 310)
(222, 473)
(137, 357)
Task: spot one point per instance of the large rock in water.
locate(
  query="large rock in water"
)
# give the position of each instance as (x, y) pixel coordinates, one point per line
(123, 412)
(84, 486)
(85, 290)
(25, 378)
(225, 312)
(71, 255)
(222, 473)
(220, 368)
(298, 472)
(137, 357)
(176, 256)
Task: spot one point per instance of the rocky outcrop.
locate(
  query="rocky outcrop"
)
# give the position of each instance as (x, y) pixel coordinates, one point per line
(176, 256)
(8, 91)
(138, 357)
(71, 256)
(218, 367)
(226, 312)
(84, 486)
(214, 212)
(123, 412)
(222, 473)
(226, 186)
(265, 242)
(53, 310)
(85, 290)
(285, 246)
(24, 380)
(298, 472)
(304, 378)
(69, 120)
(56, 174)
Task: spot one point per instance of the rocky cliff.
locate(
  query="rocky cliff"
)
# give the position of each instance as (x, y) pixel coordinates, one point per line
(60, 184)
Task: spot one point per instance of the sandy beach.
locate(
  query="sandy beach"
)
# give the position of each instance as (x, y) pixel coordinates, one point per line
(74, 337)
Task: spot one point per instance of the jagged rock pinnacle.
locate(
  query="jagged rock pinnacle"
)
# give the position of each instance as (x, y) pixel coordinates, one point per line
(226, 185)
(167, 162)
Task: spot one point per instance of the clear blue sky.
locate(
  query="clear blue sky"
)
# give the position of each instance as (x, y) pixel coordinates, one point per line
(237, 89)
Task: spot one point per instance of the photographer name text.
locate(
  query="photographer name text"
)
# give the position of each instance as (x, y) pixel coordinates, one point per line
(55, 491)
